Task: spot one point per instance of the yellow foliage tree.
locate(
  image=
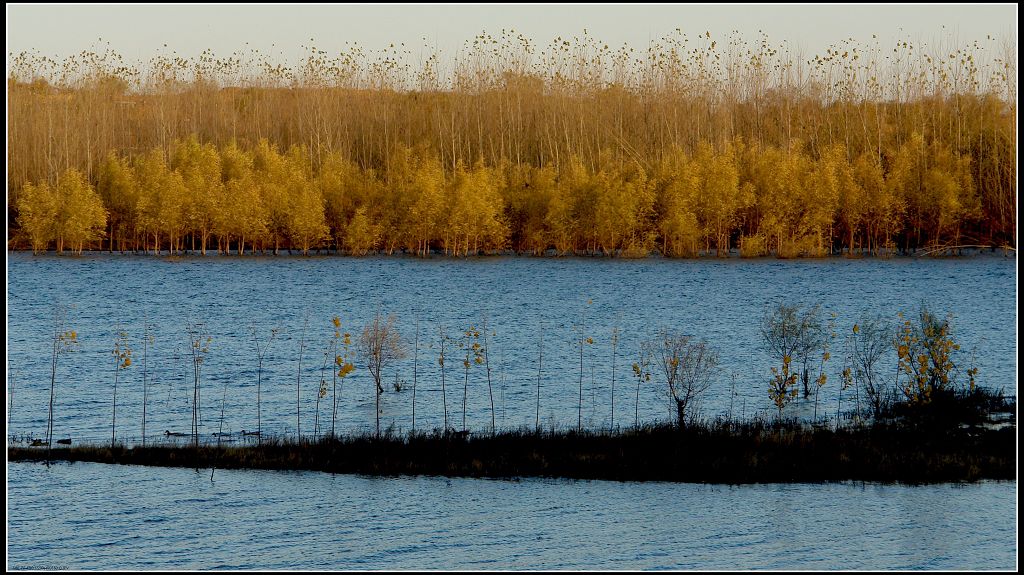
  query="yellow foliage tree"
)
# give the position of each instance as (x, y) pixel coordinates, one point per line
(120, 194)
(161, 199)
(680, 231)
(925, 352)
(425, 214)
(719, 199)
(37, 215)
(362, 235)
(81, 216)
(200, 168)
(624, 200)
(307, 227)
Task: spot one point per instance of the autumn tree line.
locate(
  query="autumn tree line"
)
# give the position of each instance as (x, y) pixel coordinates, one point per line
(693, 146)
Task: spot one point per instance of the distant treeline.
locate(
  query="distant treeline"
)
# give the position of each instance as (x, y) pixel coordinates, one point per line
(693, 146)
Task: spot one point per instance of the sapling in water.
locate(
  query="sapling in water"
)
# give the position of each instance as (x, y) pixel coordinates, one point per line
(540, 361)
(487, 368)
(342, 367)
(298, 378)
(261, 352)
(199, 345)
(440, 362)
(122, 360)
(415, 364)
(63, 341)
(147, 340)
(581, 328)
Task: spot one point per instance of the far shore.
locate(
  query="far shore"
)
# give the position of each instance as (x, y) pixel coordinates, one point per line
(734, 254)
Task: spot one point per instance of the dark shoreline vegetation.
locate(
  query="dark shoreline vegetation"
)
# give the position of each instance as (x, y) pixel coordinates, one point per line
(913, 448)
(697, 146)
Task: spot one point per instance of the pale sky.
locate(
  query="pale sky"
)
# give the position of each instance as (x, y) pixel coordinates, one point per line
(139, 32)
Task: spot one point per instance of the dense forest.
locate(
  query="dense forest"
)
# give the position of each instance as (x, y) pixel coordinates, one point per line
(694, 145)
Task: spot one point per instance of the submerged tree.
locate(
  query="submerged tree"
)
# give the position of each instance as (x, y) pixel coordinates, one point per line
(793, 337)
(812, 339)
(781, 331)
(687, 366)
(870, 339)
(782, 385)
(379, 346)
(925, 350)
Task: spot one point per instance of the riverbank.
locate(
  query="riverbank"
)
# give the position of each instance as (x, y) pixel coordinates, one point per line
(718, 453)
(1003, 251)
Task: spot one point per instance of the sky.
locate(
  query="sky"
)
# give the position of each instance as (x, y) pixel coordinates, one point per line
(141, 31)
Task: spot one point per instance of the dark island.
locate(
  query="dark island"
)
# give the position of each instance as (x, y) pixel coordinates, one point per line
(946, 443)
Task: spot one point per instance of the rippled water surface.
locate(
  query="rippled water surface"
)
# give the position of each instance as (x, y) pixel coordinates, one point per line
(523, 300)
(96, 516)
(93, 516)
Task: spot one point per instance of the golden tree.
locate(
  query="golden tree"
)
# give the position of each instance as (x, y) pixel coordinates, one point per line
(37, 215)
(925, 350)
(120, 194)
(81, 216)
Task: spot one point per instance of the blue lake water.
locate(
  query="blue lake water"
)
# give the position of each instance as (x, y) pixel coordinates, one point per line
(95, 516)
(522, 300)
